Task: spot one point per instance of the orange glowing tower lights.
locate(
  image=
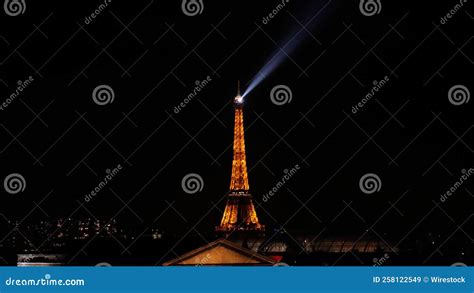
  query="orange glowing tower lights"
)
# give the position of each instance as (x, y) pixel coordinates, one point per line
(239, 214)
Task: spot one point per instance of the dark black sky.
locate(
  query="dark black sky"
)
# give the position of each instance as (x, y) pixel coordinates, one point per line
(152, 66)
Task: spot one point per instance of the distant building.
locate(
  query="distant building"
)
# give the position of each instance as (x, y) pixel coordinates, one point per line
(221, 253)
(40, 260)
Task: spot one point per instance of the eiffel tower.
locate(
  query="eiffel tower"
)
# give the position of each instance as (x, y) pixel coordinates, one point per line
(239, 214)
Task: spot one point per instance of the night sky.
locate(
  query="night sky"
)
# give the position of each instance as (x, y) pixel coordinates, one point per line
(151, 54)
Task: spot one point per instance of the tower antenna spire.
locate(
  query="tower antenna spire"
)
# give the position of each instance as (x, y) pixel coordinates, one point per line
(238, 87)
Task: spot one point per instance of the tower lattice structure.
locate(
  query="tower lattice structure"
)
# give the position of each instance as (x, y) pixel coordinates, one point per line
(239, 214)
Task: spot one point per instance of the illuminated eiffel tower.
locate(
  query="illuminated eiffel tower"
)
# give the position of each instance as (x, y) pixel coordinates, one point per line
(239, 214)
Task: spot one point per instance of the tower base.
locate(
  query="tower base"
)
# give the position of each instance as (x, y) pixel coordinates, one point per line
(240, 216)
